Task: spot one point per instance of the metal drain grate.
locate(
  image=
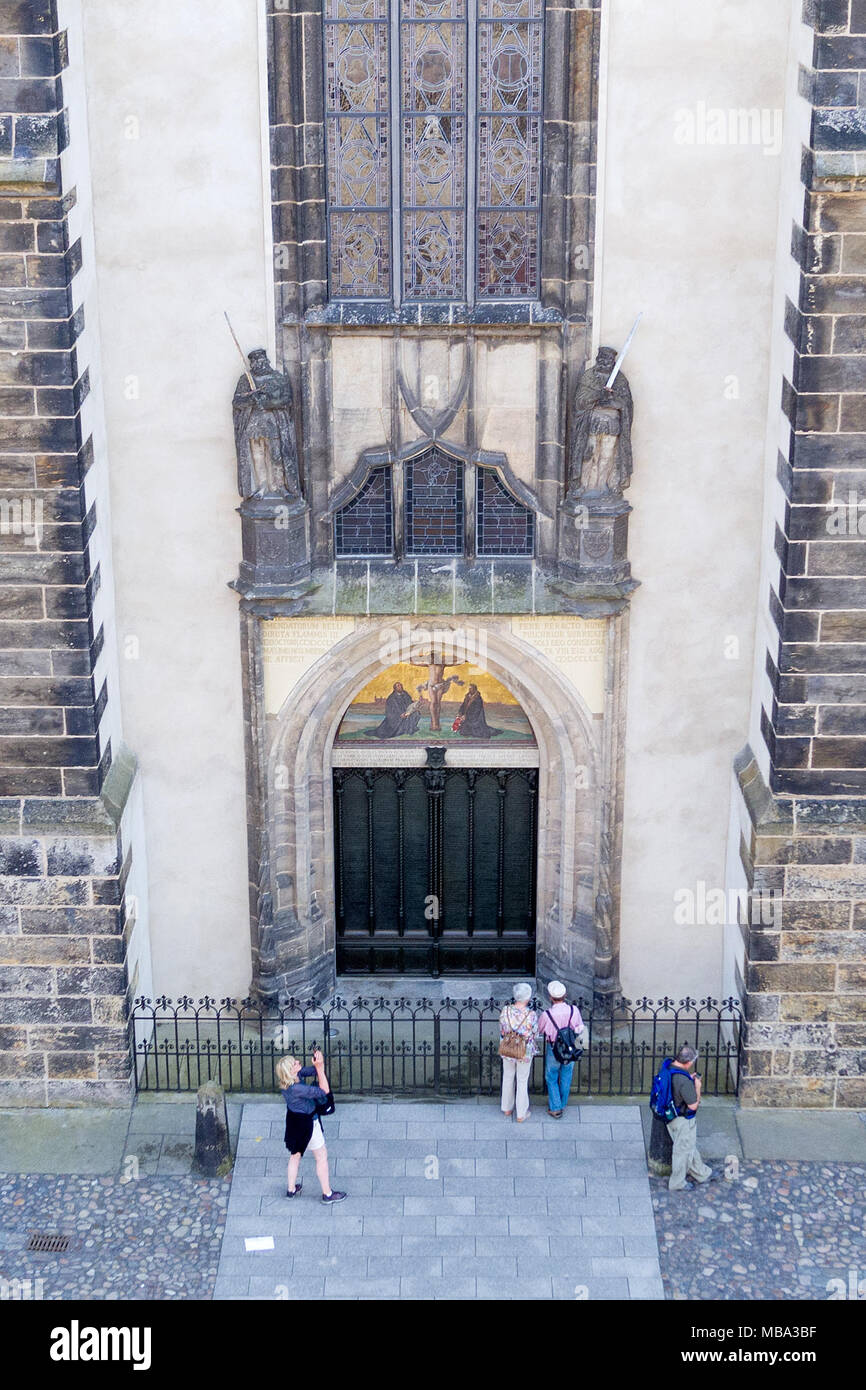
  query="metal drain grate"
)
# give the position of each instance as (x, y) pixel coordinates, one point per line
(48, 1242)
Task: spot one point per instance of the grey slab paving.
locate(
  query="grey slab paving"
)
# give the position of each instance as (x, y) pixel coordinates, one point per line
(482, 1226)
(62, 1141)
(412, 1226)
(440, 1245)
(436, 1206)
(835, 1136)
(537, 1287)
(645, 1289)
(481, 1148)
(338, 1286)
(441, 1288)
(591, 1289)
(461, 1131)
(231, 1288)
(344, 1167)
(447, 1201)
(605, 1114)
(419, 1111)
(511, 1206)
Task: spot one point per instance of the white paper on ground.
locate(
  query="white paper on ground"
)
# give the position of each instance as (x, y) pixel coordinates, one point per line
(259, 1242)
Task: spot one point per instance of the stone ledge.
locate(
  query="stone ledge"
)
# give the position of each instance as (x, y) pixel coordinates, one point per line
(769, 815)
(85, 816)
(391, 591)
(29, 177)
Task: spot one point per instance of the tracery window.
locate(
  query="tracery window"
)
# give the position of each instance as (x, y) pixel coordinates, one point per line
(504, 526)
(433, 138)
(365, 526)
(434, 489)
(434, 504)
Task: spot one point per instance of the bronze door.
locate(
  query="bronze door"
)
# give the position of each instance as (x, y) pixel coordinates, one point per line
(435, 870)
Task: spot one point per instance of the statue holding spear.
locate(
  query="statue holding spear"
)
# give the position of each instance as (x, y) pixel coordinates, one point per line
(265, 438)
(601, 457)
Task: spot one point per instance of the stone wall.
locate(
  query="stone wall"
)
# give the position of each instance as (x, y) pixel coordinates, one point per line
(802, 816)
(63, 860)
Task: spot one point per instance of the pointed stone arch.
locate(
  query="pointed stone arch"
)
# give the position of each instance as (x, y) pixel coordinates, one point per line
(293, 924)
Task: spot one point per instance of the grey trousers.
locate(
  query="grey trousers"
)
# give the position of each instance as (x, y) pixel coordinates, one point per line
(686, 1159)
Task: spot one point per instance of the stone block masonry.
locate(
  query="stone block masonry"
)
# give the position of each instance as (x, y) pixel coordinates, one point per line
(63, 866)
(804, 826)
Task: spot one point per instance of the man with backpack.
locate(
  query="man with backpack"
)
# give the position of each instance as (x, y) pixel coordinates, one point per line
(562, 1028)
(676, 1096)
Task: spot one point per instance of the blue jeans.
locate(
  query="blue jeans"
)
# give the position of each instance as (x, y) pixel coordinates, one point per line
(557, 1078)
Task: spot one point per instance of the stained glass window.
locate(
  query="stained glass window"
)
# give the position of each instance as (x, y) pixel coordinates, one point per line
(365, 526)
(504, 526)
(434, 504)
(441, 100)
(357, 132)
(433, 43)
(510, 42)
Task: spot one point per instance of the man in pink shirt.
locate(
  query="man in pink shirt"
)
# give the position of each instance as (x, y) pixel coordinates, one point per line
(557, 1074)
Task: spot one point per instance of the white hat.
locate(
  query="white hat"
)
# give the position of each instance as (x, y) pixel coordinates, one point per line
(556, 989)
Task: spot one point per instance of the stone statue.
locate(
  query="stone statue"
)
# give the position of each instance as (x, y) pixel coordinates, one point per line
(265, 439)
(601, 462)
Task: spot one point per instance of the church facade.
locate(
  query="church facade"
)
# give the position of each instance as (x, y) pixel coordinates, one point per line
(431, 538)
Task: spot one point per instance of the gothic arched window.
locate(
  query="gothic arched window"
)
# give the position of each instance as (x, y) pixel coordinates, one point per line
(365, 526)
(504, 526)
(434, 504)
(433, 112)
(433, 489)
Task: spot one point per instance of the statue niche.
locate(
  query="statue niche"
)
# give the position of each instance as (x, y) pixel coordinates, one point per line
(265, 438)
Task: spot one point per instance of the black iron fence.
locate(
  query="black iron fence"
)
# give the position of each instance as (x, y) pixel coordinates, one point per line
(419, 1047)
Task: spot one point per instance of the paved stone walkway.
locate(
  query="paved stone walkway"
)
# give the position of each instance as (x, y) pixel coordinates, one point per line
(149, 1238)
(446, 1201)
(770, 1230)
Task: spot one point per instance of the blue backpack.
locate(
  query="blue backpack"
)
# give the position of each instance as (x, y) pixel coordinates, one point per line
(661, 1098)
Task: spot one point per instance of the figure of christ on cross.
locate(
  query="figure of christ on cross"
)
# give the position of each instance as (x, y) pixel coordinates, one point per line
(436, 685)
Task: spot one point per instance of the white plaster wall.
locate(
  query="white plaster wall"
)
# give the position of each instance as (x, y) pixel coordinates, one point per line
(689, 237)
(76, 173)
(174, 110)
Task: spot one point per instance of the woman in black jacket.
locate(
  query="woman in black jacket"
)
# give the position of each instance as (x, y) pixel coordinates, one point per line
(304, 1105)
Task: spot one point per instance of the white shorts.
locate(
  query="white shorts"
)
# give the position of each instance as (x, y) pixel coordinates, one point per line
(318, 1139)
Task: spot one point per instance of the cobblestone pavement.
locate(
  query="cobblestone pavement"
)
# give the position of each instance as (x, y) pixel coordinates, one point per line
(776, 1230)
(446, 1201)
(150, 1238)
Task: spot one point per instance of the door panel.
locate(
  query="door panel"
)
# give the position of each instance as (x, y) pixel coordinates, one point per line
(435, 870)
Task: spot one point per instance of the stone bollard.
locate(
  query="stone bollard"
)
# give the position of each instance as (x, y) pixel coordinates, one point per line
(660, 1149)
(212, 1152)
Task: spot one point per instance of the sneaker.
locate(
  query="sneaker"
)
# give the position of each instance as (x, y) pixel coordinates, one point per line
(297, 1191)
(335, 1196)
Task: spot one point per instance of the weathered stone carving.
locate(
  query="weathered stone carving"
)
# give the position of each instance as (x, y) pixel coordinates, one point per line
(605, 982)
(265, 439)
(212, 1155)
(601, 459)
